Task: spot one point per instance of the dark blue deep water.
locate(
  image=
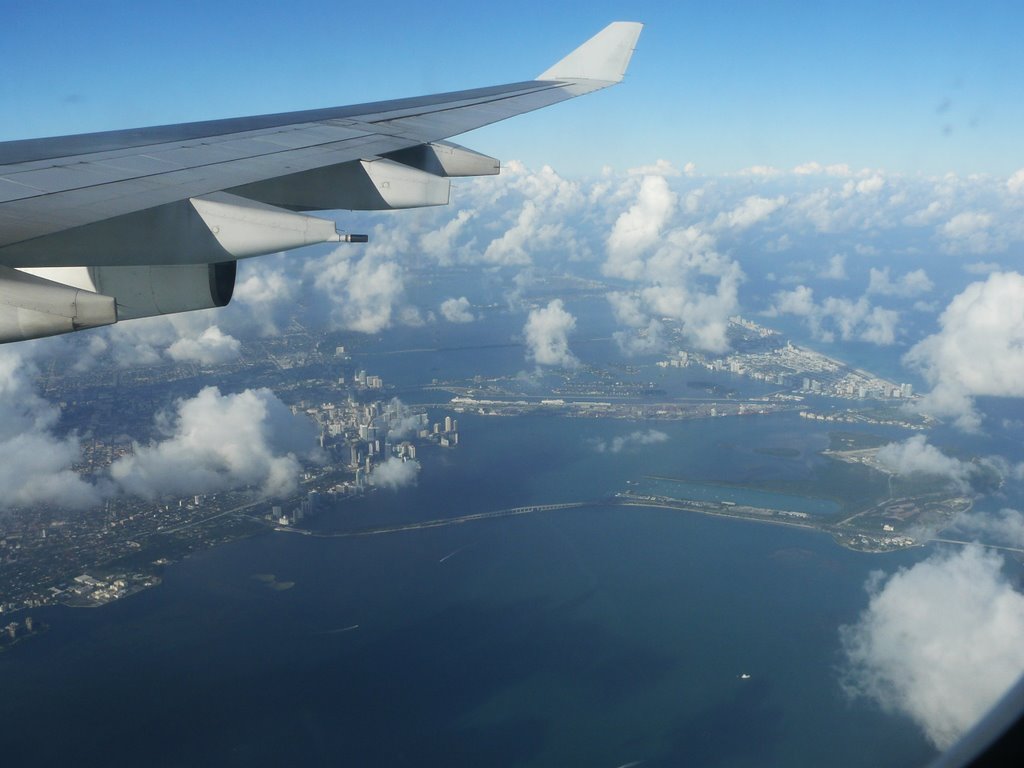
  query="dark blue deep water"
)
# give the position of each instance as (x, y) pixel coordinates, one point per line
(596, 636)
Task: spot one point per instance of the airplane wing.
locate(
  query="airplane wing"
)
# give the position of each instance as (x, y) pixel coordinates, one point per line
(109, 226)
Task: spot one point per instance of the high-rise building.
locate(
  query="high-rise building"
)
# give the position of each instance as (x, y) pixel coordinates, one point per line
(447, 423)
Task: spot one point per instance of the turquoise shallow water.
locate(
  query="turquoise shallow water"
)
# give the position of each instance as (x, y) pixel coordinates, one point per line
(594, 636)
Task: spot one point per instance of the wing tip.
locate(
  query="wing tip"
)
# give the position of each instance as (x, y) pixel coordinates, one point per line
(603, 57)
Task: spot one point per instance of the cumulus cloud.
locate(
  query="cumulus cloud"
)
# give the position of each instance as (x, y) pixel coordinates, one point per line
(406, 421)
(645, 334)
(35, 462)
(837, 317)
(971, 232)
(836, 269)
(395, 473)
(917, 455)
(660, 168)
(266, 293)
(364, 293)
(187, 337)
(210, 347)
(982, 268)
(638, 228)
(814, 168)
(624, 442)
(513, 247)
(752, 210)
(212, 442)
(1015, 183)
(939, 642)
(909, 285)
(678, 272)
(1005, 528)
(547, 335)
(457, 310)
(761, 170)
(979, 349)
(441, 243)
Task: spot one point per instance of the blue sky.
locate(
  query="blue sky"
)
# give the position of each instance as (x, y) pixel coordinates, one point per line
(906, 87)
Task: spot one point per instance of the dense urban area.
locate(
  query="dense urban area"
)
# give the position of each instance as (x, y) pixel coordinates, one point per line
(91, 557)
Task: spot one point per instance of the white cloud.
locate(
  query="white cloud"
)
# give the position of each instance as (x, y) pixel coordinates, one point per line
(871, 185)
(457, 310)
(623, 442)
(978, 351)
(834, 316)
(916, 455)
(982, 268)
(513, 247)
(440, 243)
(214, 441)
(752, 210)
(1005, 528)
(970, 232)
(926, 215)
(644, 334)
(761, 170)
(35, 462)
(627, 308)
(395, 473)
(661, 168)
(1015, 183)
(266, 293)
(406, 422)
(679, 273)
(638, 229)
(210, 347)
(939, 642)
(836, 269)
(362, 293)
(799, 302)
(909, 285)
(547, 335)
(815, 168)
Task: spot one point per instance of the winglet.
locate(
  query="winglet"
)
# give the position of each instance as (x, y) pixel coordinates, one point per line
(603, 57)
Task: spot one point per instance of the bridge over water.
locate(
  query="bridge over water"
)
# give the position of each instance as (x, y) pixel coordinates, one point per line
(443, 521)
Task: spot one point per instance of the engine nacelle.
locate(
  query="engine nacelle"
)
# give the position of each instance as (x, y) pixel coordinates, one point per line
(145, 291)
(32, 307)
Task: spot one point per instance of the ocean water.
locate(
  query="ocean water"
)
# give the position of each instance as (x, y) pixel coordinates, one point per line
(595, 636)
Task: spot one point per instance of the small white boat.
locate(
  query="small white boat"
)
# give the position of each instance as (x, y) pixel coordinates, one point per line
(744, 676)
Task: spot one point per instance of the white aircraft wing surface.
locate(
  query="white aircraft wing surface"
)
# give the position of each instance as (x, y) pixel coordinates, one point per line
(116, 225)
